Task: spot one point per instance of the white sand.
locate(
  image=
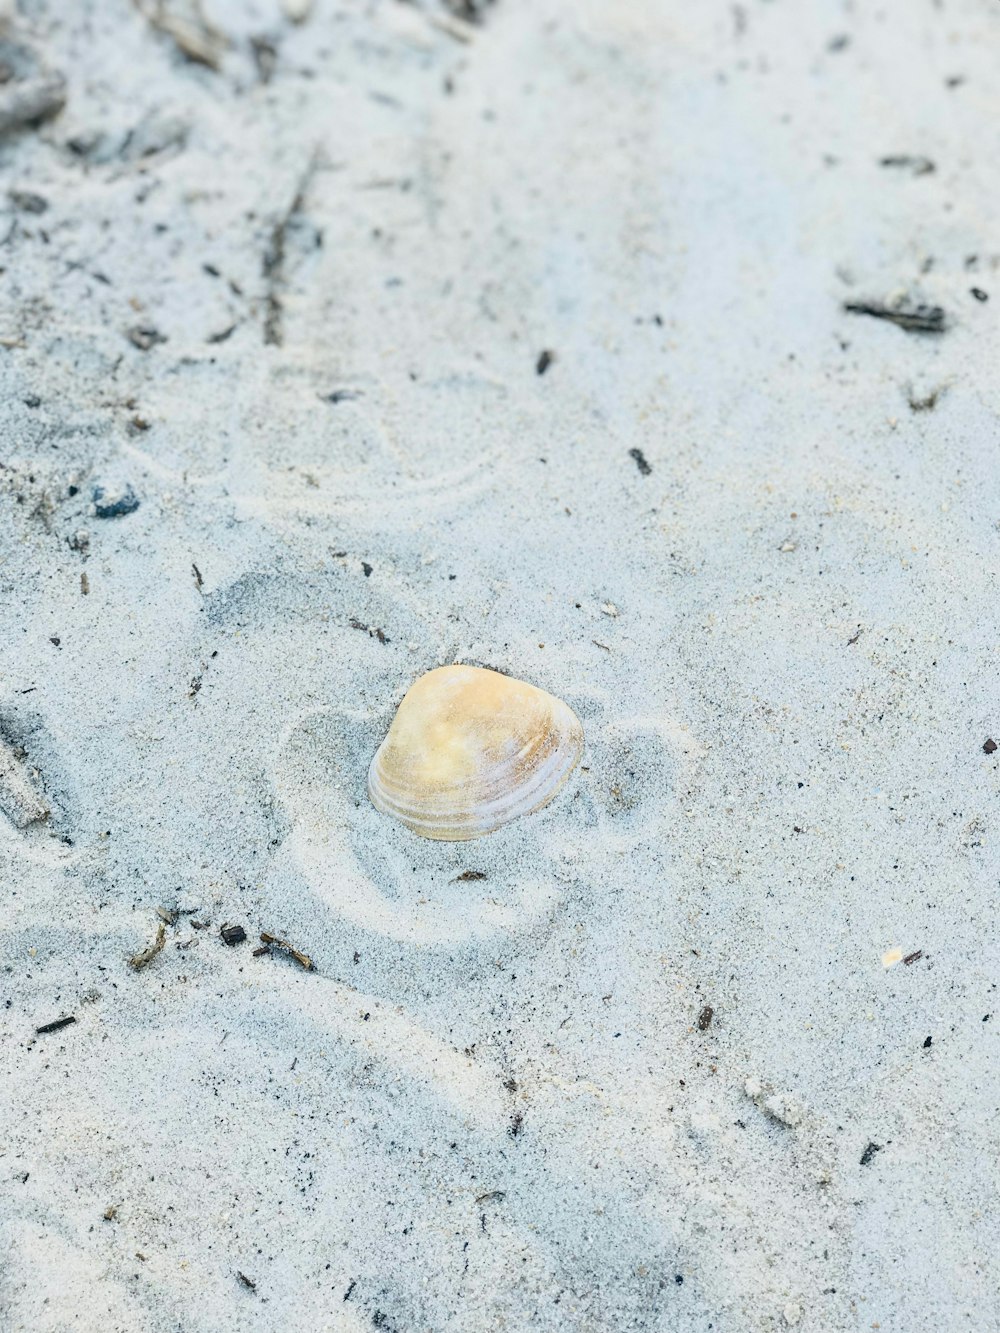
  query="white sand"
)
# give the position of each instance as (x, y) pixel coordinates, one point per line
(785, 709)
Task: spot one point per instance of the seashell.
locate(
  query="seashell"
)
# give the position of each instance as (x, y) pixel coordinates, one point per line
(470, 750)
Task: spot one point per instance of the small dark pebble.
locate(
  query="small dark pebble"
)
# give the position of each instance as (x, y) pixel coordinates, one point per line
(989, 746)
(979, 294)
(55, 640)
(116, 505)
(705, 1018)
(679, 1279)
(870, 1152)
(144, 336)
(545, 360)
(32, 400)
(233, 934)
(927, 1042)
(56, 1024)
(640, 461)
(247, 1282)
(367, 569)
(341, 396)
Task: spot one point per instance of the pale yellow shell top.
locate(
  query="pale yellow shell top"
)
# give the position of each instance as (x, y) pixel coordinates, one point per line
(470, 750)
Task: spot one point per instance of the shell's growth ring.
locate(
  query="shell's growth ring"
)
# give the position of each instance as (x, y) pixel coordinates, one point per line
(470, 750)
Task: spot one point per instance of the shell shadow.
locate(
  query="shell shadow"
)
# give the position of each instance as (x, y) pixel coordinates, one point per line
(378, 876)
(635, 767)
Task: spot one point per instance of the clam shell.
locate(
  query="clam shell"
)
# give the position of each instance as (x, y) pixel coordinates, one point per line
(470, 750)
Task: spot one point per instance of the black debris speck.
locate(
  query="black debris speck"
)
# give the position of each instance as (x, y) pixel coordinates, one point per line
(870, 1152)
(979, 294)
(989, 746)
(367, 569)
(927, 1042)
(545, 360)
(233, 934)
(640, 461)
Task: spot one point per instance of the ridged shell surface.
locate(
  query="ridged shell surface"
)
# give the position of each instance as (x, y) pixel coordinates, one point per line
(470, 750)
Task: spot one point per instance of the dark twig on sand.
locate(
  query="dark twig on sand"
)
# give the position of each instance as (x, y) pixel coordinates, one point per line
(912, 318)
(56, 1024)
(274, 258)
(274, 942)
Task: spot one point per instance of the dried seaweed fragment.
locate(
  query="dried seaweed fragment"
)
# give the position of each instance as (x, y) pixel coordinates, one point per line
(140, 960)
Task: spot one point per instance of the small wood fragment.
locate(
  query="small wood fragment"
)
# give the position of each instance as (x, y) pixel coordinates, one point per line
(911, 318)
(247, 1282)
(194, 37)
(275, 942)
(913, 957)
(140, 960)
(56, 1024)
(233, 934)
(468, 875)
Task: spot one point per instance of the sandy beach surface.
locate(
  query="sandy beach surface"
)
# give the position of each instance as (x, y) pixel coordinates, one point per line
(342, 340)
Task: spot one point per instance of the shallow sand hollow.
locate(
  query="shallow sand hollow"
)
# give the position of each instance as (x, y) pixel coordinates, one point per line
(393, 341)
